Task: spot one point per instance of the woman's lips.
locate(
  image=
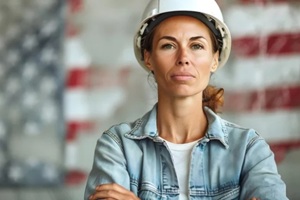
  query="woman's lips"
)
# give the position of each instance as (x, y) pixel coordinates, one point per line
(182, 77)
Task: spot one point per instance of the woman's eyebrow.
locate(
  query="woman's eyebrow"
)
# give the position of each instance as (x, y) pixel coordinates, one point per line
(174, 39)
(168, 38)
(197, 37)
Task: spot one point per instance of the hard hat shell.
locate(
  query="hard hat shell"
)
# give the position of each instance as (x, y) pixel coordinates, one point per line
(208, 8)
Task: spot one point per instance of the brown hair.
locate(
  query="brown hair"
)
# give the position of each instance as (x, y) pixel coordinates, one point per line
(213, 97)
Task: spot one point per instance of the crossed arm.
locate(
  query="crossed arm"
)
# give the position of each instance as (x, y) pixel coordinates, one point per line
(114, 191)
(111, 187)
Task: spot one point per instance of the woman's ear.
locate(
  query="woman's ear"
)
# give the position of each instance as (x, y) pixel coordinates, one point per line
(215, 62)
(147, 60)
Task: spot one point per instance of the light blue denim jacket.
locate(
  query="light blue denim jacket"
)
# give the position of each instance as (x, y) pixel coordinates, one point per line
(230, 162)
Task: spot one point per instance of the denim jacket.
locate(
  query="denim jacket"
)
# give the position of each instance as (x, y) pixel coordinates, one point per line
(229, 162)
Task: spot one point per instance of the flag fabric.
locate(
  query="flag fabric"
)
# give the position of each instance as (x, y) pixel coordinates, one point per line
(31, 93)
(262, 77)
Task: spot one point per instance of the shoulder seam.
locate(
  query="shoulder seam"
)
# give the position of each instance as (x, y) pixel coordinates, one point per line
(114, 137)
(253, 140)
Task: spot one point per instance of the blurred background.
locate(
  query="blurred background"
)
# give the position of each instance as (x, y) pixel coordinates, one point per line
(68, 72)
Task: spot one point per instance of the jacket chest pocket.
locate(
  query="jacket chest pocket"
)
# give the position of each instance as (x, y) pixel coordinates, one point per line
(231, 193)
(150, 195)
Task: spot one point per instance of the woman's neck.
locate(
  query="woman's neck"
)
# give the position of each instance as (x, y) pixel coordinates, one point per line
(181, 121)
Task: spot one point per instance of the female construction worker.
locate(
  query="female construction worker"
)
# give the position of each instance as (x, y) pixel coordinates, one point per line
(181, 149)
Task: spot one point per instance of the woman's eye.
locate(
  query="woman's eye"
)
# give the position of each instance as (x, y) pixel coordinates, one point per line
(197, 46)
(167, 46)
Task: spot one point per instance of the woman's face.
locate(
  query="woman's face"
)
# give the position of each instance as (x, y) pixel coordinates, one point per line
(182, 57)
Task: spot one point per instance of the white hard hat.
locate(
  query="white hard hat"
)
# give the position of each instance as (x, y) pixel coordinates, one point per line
(207, 11)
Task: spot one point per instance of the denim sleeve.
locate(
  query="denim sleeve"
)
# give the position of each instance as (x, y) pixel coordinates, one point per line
(109, 164)
(260, 177)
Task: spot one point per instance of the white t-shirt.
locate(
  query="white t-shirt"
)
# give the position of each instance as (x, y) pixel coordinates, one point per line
(181, 154)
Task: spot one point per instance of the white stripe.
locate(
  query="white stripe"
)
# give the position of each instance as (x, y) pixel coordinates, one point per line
(83, 104)
(71, 158)
(277, 126)
(259, 72)
(77, 104)
(105, 101)
(256, 19)
(75, 54)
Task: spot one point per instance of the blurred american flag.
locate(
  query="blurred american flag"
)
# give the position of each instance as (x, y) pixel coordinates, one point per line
(31, 92)
(262, 77)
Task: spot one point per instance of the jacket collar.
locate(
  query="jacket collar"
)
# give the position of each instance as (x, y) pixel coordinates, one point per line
(146, 127)
(216, 127)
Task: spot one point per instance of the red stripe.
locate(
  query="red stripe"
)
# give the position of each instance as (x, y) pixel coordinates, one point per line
(75, 177)
(246, 46)
(73, 127)
(90, 77)
(71, 30)
(272, 45)
(281, 148)
(267, 1)
(268, 99)
(75, 5)
(287, 43)
(77, 77)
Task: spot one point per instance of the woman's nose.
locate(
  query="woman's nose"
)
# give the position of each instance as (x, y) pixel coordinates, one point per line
(182, 58)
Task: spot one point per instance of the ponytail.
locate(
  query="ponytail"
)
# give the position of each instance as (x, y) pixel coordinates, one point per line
(213, 98)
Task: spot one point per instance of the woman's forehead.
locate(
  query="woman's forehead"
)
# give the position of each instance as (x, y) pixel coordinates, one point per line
(182, 23)
(181, 18)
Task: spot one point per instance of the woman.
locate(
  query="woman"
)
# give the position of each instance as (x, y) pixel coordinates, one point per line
(182, 149)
